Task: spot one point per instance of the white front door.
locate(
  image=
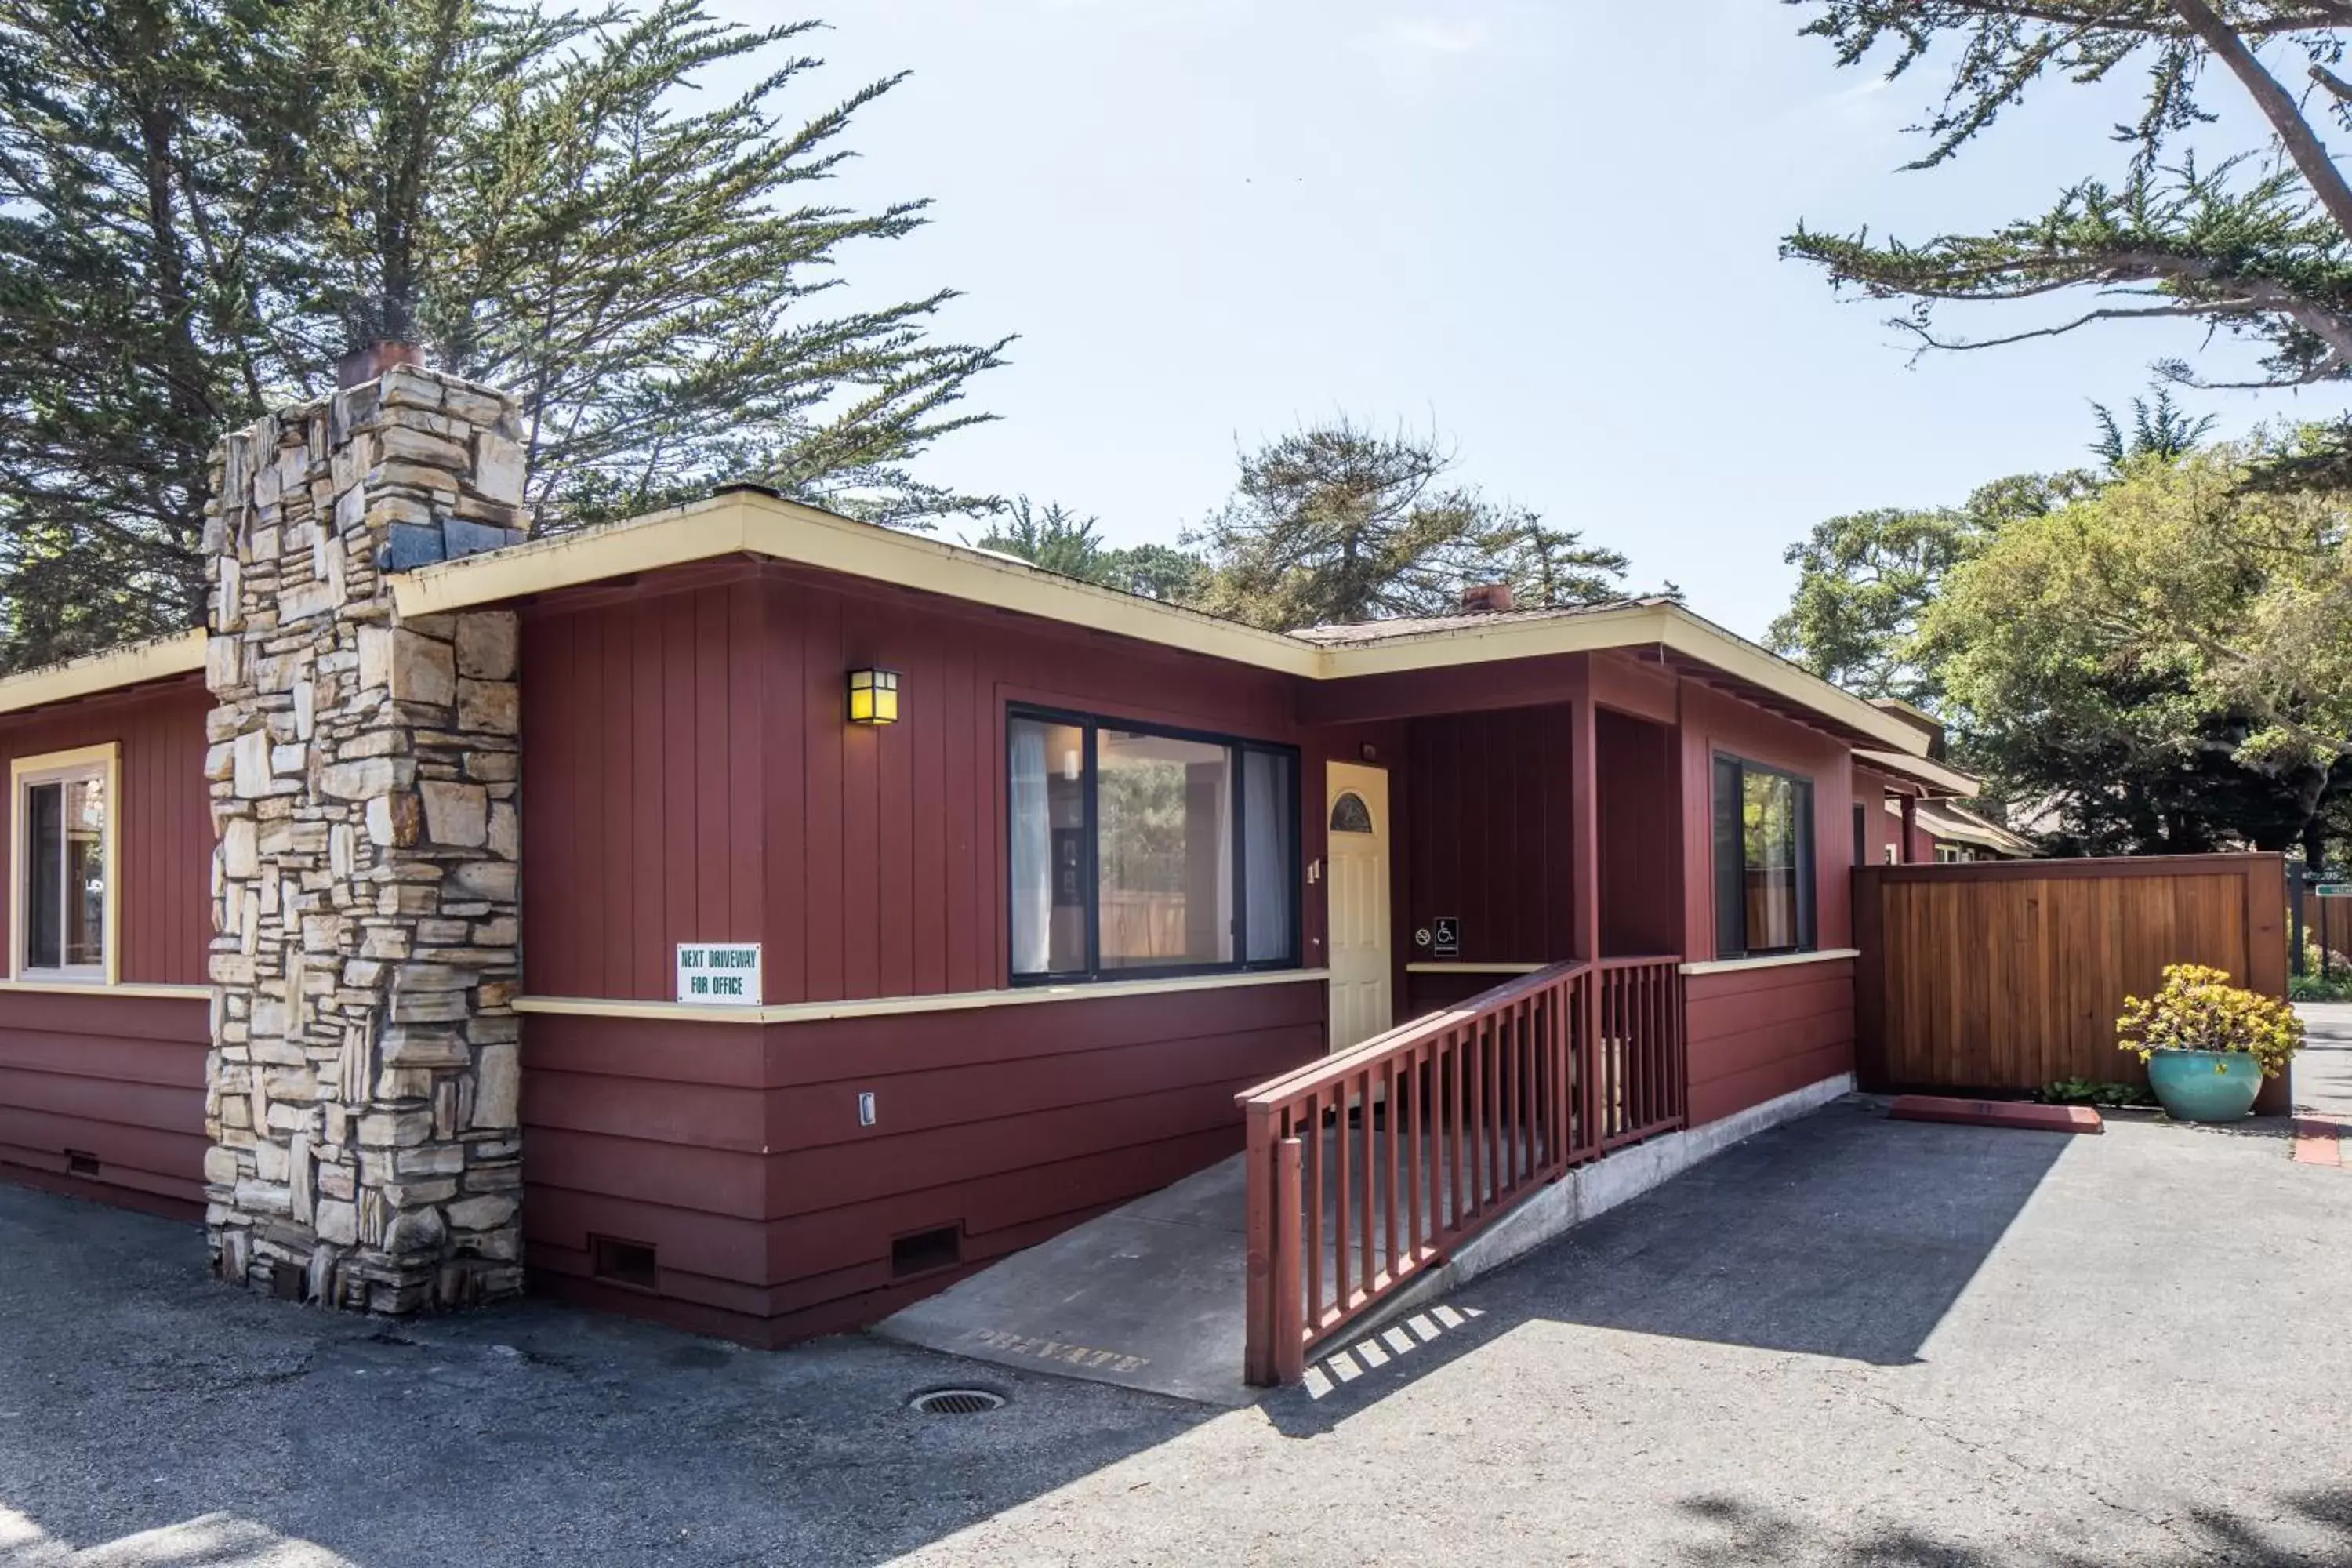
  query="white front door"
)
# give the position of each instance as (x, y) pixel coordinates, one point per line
(1357, 894)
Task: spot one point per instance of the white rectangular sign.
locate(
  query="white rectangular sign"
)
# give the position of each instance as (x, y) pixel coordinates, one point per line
(719, 974)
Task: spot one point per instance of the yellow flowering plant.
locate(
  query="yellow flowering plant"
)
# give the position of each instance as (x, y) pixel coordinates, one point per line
(2198, 1009)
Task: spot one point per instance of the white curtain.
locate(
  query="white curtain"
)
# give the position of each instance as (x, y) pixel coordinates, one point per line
(1267, 854)
(1033, 852)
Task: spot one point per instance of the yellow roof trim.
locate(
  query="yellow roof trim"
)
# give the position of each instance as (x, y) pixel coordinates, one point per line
(747, 522)
(1921, 770)
(157, 658)
(750, 522)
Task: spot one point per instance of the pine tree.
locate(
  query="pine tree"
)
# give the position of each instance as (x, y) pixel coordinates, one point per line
(2255, 246)
(1337, 524)
(204, 203)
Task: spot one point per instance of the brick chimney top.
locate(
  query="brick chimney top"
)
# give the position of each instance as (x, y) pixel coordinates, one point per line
(1486, 598)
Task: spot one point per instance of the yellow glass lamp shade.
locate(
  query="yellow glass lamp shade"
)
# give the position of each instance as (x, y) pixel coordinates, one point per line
(874, 697)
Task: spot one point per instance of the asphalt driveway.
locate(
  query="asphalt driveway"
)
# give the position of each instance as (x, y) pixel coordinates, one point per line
(1848, 1341)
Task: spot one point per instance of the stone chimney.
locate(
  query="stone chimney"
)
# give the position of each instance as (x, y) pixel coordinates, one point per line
(362, 1089)
(1486, 598)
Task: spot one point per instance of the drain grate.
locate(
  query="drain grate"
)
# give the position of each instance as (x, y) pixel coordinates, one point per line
(956, 1402)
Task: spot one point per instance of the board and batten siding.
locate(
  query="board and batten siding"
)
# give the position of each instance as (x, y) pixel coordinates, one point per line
(120, 1079)
(1715, 722)
(688, 776)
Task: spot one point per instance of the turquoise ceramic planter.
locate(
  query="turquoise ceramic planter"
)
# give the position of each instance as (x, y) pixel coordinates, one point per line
(2205, 1086)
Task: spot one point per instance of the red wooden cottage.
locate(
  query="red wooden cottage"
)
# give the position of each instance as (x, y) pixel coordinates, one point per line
(883, 906)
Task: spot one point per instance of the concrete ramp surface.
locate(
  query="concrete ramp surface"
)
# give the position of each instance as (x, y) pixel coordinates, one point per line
(1149, 1296)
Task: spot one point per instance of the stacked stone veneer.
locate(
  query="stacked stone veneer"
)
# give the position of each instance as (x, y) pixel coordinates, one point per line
(362, 1093)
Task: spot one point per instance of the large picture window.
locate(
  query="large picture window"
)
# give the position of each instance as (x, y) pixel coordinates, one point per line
(62, 848)
(1142, 851)
(1763, 861)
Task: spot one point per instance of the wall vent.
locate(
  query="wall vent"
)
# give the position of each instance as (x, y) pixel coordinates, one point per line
(926, 1251)
(80, 1162)
(631, 1263)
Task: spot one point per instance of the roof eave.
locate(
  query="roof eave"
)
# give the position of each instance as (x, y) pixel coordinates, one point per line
(135, 664)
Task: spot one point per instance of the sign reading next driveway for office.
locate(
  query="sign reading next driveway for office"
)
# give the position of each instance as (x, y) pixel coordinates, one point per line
(719, 974)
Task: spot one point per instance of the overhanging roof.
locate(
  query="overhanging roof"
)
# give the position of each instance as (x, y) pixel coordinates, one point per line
(134, 664)
(743, 521)
(1944, 820)
(1934, 775)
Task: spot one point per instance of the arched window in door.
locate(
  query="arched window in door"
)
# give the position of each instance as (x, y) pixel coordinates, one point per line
(1350, 814)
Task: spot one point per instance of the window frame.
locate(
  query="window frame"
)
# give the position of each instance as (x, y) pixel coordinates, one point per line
(105, 762)
(1236, 747)
(1809, 931)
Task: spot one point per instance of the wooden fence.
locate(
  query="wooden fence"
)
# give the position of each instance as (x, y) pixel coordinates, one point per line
(1998, 977)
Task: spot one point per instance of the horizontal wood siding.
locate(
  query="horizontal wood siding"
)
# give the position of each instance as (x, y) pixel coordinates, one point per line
(122, 1078)
(2003, 976)
(118, 1078)
(1757, 1034)
(738, 1154)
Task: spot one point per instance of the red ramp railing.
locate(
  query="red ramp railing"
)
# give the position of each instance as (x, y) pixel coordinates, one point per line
(1369, 1166)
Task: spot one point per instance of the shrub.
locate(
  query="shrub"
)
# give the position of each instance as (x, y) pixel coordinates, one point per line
(2198, 1009)
(2089, 1091)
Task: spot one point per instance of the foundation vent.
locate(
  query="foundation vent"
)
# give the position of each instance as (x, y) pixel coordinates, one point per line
(80, 1162)
(632, 1263)
(926, 1251)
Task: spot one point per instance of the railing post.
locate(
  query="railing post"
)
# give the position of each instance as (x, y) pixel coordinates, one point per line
(1258, 1335)
(1677, 985)
(1289, 1308)
(1595, 1065)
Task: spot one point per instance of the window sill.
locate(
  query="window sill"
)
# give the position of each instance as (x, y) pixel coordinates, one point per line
(1448, 967)
(66, 986)
(883, 1006)
(1770, 960)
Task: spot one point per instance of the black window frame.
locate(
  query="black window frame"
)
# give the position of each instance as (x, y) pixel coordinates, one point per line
(1088, 725)
(1731, 856)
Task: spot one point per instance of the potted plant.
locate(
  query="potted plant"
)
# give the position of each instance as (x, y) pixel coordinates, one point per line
(2208, 1044)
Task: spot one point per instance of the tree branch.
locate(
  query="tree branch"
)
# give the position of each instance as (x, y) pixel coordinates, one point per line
(2302, 144)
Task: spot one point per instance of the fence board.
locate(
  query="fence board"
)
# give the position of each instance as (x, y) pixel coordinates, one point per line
(2001, 976)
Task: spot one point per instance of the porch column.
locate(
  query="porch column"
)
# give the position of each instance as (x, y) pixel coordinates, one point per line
(1584, 815)
(1910, 825)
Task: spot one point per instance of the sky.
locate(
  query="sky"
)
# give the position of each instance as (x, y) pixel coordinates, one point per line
(1547, 232)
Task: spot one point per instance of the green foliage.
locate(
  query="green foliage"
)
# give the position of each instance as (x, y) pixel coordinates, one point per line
(204, 203)
(1058, 539)
(2327, 974)
(2257, 247)
(2197, 1009)
(1336, 524)
(1863, 580)
(2175, 632)
(2160, 428)
(2087, 1091)
(2152, 660)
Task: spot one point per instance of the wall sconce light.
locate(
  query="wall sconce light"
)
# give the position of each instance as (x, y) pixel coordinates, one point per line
(874, 697)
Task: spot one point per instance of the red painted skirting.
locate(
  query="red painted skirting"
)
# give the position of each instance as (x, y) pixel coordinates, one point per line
(1998, 1113)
